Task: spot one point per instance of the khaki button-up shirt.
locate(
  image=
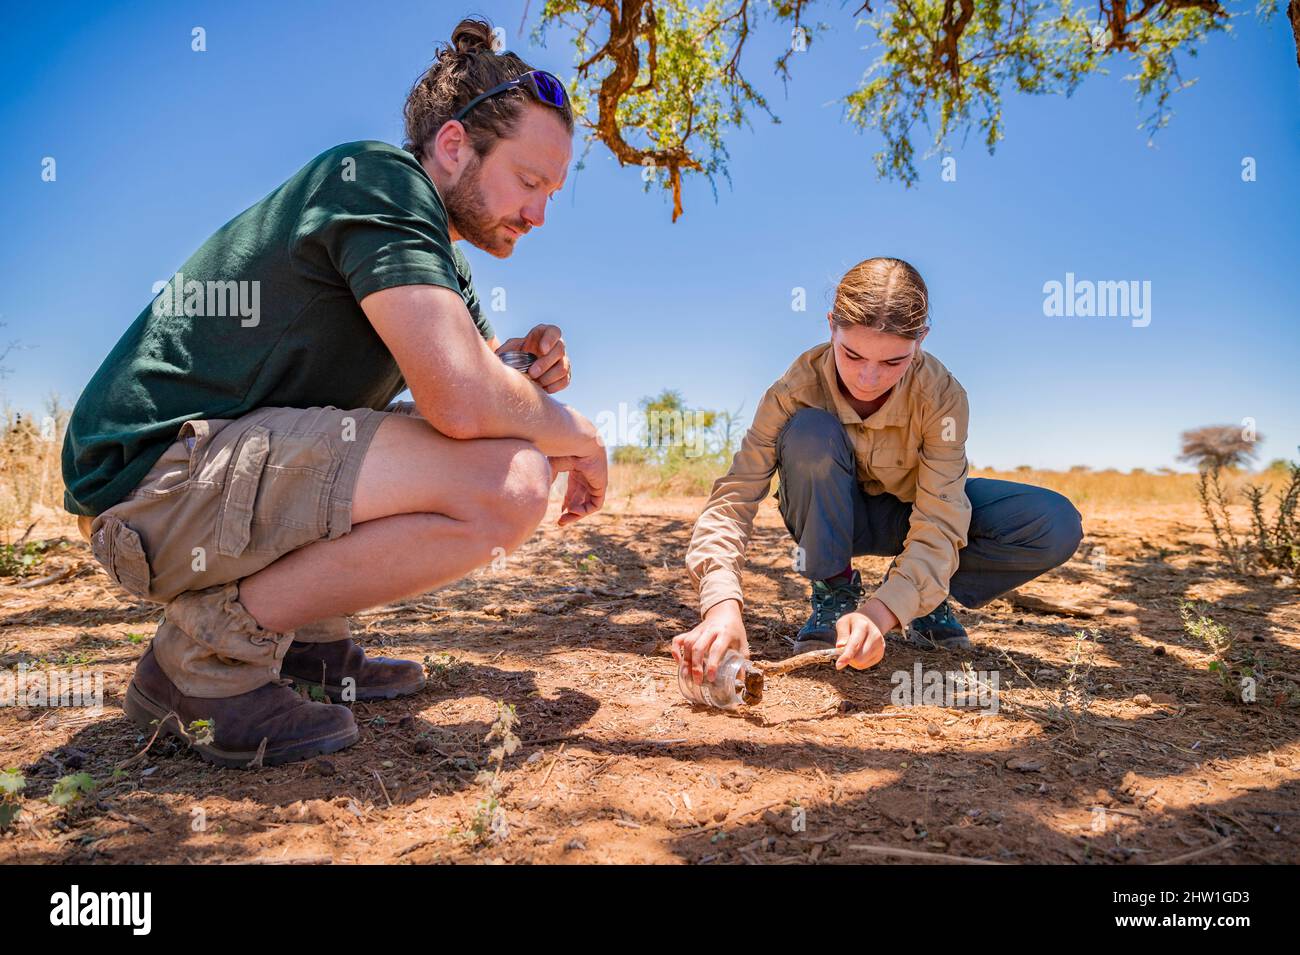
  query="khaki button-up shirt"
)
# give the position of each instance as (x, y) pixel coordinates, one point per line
(913, 447)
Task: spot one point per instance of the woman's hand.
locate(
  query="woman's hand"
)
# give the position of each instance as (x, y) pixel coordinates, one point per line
(860, 636)
(703, 648)
(551, 371)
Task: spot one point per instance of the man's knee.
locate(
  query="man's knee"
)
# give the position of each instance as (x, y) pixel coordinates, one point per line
(513, 507)
(810, 443)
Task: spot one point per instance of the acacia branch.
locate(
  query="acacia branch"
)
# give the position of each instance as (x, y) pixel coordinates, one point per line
(1293, 14)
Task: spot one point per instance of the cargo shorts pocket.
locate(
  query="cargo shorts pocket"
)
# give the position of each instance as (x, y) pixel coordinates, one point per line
(120, 552)
(234, 522)
(276, 497)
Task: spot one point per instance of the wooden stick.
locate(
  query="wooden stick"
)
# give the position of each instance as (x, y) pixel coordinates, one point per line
(51, 579)
(811, 658)
(550, 769)
(379, 779)
(915, 854)
(1197, 853)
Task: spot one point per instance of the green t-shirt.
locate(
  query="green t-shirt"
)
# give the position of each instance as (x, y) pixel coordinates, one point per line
(266, 314)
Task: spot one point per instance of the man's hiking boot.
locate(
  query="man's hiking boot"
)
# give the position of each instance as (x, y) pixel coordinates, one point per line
(937, 630)
(829, 603)
(344, 672)
(269, 725)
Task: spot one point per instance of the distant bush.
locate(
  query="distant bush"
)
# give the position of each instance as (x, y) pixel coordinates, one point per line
(30, 469)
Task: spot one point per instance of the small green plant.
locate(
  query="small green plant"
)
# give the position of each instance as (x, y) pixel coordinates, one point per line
(1076, 689)
(70, 790)
(1214, 502)
(489, 825)
(136, 638)
(1219, 641)
(442, 669)
(22, 559)
(201, 732)
(1276, 542)
(12, 783)
(1269, 542)
(67, 659)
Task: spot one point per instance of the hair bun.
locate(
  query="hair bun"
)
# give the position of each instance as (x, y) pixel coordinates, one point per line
(472, 35)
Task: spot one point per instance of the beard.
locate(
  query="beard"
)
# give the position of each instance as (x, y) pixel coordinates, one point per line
(468, 215)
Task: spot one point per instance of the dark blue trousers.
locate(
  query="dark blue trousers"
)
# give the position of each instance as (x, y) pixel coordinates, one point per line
(1017, 531)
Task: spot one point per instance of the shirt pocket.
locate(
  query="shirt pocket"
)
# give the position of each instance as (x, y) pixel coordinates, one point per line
(893, 466)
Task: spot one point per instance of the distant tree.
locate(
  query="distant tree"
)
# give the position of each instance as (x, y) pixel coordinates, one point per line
(659, 82)
(5, 351)
(672, 430)
(1219, 446)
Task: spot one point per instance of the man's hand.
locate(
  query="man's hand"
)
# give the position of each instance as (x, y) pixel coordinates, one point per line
(551, 371)
(860, 636)
(585, 493)
(703, 648)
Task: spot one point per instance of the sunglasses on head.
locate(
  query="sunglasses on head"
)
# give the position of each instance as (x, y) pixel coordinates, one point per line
(545, 87)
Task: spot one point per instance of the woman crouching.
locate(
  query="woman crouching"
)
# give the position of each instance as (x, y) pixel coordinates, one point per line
(867, 434)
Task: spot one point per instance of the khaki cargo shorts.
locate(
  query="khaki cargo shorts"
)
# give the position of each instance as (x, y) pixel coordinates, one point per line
(230, 496)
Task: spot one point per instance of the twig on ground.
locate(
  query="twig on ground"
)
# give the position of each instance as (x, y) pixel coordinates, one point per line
(1197, 853)
(550, 769)
(917, 854)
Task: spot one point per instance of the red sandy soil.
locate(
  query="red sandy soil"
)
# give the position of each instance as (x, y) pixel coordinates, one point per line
(1149, 762)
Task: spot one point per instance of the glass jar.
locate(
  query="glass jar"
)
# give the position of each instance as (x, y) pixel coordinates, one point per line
(726, 691)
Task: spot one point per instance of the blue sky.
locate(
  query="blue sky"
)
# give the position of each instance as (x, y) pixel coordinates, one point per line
(157, 146)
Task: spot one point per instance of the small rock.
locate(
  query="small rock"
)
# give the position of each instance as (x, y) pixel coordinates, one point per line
(325, 767)
(1103, 798)
(1142, 700)
(720, 815)
(933, 730)
(1158, 651)
(575, 844)
(1025, 764)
